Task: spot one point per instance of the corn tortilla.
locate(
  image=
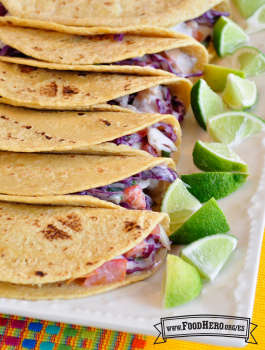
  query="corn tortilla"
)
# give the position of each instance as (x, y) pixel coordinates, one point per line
(118, 13)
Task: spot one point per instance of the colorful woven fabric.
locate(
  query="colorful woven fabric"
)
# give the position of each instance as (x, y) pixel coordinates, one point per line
(26, 333)
(20, 333)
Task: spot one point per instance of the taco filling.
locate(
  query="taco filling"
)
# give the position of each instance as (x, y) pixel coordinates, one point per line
(136, 191)
(156, 99)
(139, 258)
(201, 28)
(158, 140)
(173, 61)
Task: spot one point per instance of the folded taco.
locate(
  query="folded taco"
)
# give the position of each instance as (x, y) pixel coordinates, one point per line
(113, 13)
(40, 88)
(94, 181)
(123, 53)
(69, 252)
(101, 133)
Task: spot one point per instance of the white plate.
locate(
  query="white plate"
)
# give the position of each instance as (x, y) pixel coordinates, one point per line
(137, 307)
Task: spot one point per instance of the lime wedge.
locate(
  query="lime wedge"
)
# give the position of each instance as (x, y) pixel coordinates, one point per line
(248, 7)
(227, 35)
(208, 220)
(209, 254)
(205, 103)
(181, 282)
(217, 157)
(216, 76)
(179, 204)
(249, 59)
(239, 93)
(231, 128)
(205, 186)
(256, 22)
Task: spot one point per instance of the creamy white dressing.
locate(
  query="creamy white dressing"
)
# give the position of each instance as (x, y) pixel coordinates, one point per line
(181, 61)
(144, 183)
(145, 101)
(188, 27)
(159, 141)
(137, 145)
(116, 198)
(185, 27)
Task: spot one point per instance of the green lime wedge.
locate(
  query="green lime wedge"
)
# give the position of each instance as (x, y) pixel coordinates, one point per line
(208, 220)
(239, 93)
(209, 254)
(179, 204)
(205, 186)
(217, 157)
(231, 128)
(216, 76)
(205, 103)
(227, 35)
(248, 7)
(181, 282)
(256, 22)
(249, 59)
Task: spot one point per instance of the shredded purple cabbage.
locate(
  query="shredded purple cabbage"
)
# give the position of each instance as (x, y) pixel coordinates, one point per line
(3, 10)
(115, 192)
(156, 61)
(147, 258)
(9, 51)
(168, 130)
(210, 17)
(166, 105)
(118, 37)
(171, 105)
(128, 140)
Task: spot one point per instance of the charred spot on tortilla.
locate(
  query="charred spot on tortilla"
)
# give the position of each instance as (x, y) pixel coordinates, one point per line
(82, 74)
(72, 221)
(36, 48)
(70, 90)
(80, 113)
(126, 87)
(105, 122)
(26, 69)
(93, 218)
(40, 273)
(52, 232)
(3, 117)
(130, 225)
(49, 90)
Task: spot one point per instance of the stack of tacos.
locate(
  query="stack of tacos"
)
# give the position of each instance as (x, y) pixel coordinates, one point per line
(89, 142)
(193, 17)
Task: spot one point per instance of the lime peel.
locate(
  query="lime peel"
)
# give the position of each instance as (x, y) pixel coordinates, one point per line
(181, 282)
(217, 157)
(239, 93)
(205, 186)
(231, 128)
(249, 59)
(179, 204)
(209, 254)
(205, 103)
(206, 221)
(227, 35)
